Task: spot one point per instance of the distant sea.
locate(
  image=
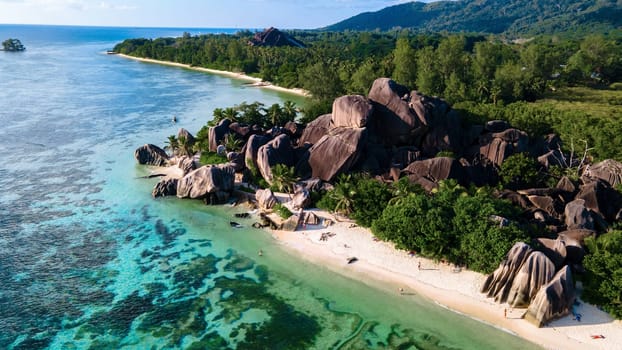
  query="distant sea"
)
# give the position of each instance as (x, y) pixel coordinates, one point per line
(88, 260)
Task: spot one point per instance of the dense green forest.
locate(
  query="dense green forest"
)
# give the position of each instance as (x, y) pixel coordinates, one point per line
(484, 77)
(511, 18)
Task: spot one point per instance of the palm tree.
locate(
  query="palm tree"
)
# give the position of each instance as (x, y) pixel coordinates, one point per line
(230, 113)
(185, 149)
(343, 194)
(290, 111)
(172, 144)
(231, 143)
(283, 178)
(274, 113)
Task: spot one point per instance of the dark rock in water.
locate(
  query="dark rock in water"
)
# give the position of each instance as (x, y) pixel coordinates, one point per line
(151, 155)
(166, 187)
(235, 224)
(252, 148)
(578, 216)
(499, 283)
(352, 111)
(535, 272)
(274, 37)
(608, 170)
(317, 129)
(337, 152)
(242, 215)
(217, 134)
(277, 151)
(553, 300)
(13, 45)
(265, 199)
(394, 120)
(205, 180)
(437, 169)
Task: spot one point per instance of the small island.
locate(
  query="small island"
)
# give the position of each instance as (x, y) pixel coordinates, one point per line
(13, 45)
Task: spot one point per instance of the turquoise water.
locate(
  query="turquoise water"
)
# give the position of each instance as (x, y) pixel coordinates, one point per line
(88, 260)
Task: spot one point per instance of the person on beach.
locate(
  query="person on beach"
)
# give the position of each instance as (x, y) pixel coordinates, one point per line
(505, 313)
(419, 265)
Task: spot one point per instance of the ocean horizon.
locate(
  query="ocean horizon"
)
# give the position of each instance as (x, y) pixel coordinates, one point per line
(89, 260)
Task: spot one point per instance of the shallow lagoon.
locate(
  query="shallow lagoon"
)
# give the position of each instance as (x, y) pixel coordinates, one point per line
(88, 260)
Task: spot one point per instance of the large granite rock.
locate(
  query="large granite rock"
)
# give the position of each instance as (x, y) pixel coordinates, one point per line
(336, 153)
(151, 155)
(498, 146)
(351, 111)
(217, 134)
(601, 198)
(577, 216)
(498, 284)
(265, 199)
(276, 151)
(206, 180)
(535, 272)
(185, 134)
(608, 170)
(251, 148)
(301, 199)
(395, 122)
(555, 250)
(553, 300)
(166, 187)
(317, 129)
(434, 170)
(186, 164)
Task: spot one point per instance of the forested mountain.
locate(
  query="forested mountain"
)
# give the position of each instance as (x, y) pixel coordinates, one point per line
(512, 17)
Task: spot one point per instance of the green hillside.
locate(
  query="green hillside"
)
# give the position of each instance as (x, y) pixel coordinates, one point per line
(492, 16)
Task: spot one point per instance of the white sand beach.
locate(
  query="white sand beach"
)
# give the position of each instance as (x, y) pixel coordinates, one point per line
(455, 289)
(255, 82)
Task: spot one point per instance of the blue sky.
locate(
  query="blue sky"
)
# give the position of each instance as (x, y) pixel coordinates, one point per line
(302, 14)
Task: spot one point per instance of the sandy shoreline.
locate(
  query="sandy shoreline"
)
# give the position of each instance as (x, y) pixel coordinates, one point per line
(257, 82)
(458, 291)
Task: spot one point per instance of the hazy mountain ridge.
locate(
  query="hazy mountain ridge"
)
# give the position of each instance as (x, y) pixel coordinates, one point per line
(492, 16)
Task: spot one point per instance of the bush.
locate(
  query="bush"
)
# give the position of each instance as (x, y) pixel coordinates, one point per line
(519, 171)
(603, 278)
(369, 201)
(208, 158)
(282, 211)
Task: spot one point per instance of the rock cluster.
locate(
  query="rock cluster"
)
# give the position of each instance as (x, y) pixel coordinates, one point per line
(539, 279)
(392, 133)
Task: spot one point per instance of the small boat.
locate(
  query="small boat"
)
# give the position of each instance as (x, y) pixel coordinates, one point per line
(174, 119)
(352, 259)
(235, 224)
